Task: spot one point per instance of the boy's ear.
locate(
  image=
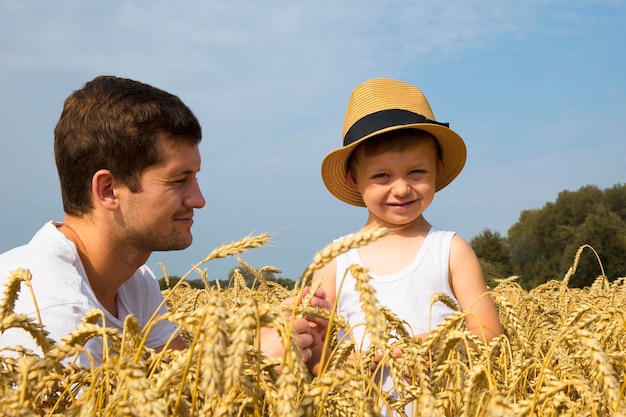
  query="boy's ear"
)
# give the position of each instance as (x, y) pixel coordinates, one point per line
(103, 189)
(351, 179)
(439, 166)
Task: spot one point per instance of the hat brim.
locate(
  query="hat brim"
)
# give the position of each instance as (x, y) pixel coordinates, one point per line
(453, 156)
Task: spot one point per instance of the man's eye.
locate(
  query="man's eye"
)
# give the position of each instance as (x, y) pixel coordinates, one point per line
(185, 180)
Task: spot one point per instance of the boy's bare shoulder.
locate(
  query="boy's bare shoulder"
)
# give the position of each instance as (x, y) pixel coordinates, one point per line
(329, 269)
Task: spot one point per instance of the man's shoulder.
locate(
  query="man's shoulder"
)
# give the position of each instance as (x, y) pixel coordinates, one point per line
(44, 251)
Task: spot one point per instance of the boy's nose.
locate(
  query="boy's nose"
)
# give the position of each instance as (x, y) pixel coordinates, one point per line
(401, 187)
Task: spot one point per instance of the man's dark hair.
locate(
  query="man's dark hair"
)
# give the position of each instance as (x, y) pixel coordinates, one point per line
(115, 124)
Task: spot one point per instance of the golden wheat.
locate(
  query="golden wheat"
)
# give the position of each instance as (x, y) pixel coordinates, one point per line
(563, 353)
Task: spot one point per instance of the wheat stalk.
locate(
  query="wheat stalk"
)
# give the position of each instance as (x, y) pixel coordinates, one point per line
(343, 245)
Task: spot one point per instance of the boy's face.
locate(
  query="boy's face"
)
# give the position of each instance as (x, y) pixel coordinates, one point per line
(397, 186)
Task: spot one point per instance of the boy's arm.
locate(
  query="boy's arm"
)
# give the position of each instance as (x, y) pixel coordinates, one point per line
(469, 288)
(178, 343)
(327, 275)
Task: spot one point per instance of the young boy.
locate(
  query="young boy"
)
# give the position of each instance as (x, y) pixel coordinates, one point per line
(395, 156)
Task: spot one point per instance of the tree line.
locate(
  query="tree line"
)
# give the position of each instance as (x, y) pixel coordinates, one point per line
(541, 246)
(248, 277)
(544, 242)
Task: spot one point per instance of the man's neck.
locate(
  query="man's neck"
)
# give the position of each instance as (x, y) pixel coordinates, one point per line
(107, 264)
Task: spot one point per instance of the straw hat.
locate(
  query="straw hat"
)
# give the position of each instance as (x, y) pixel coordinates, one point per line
(382, 105)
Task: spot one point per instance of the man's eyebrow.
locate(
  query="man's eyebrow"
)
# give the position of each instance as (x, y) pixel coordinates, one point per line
(185, 172)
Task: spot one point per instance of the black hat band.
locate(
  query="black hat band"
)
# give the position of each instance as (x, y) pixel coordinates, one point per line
(384, 119)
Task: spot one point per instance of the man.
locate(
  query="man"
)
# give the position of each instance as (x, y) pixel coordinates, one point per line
(127, 157)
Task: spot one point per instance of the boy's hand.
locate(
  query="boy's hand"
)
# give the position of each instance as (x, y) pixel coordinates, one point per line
(397, 354)
(273, 346)
(310, 329)
(318, 324)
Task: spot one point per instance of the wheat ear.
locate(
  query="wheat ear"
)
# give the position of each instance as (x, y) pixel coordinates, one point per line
(343, 245)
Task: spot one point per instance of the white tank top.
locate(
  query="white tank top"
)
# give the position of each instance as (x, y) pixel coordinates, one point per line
(407, 293)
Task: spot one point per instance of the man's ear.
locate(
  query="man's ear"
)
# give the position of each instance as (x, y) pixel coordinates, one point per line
(351, 180)
(103, 189)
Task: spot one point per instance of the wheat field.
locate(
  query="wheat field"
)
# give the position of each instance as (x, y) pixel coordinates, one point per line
(562, 354)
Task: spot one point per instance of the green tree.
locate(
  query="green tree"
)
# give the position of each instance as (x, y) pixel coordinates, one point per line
(173, 280)
(605, 232)
(493, 253)
(572, 207)
(529, 244)
(252, 281)
(614, 199)
(543, 243)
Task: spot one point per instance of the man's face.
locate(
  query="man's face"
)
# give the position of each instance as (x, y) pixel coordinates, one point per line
(160, 216)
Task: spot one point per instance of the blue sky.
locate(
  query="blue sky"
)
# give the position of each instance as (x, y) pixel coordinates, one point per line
(536, 89)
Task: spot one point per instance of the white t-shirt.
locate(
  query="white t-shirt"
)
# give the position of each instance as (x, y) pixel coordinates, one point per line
(63, 294)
